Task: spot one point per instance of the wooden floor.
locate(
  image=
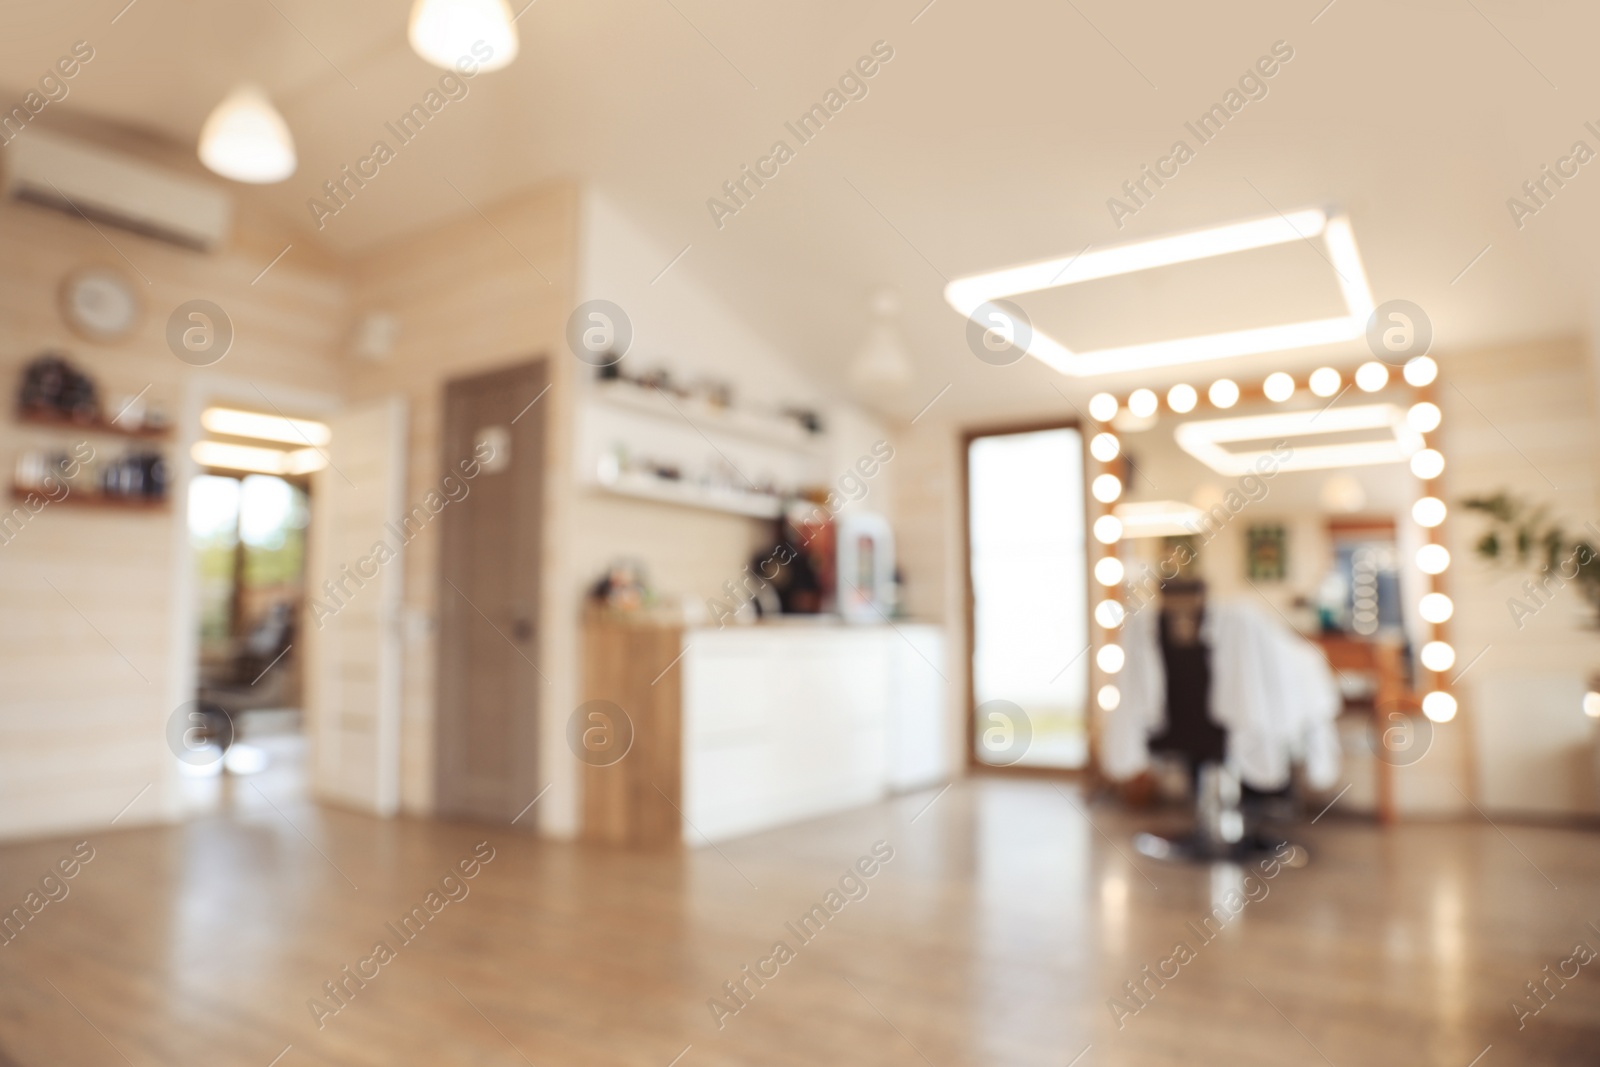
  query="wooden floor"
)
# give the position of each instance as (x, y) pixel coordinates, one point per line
(996, 935)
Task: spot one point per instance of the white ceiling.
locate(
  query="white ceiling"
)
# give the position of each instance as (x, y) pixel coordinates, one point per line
(994, 136)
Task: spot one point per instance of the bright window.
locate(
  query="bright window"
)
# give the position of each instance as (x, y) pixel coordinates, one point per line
(1028, 562)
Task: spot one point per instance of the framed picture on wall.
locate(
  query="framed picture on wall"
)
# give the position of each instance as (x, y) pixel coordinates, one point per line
(1266, 553)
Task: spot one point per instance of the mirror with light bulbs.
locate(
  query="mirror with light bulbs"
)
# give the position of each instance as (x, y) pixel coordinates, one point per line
(1316, 496)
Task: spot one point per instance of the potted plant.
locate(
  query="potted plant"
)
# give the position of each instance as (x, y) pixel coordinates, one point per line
(1524, 534)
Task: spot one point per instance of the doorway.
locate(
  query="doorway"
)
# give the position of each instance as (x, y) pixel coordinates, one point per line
(489, 682)
(1027, 598)
(247, 516)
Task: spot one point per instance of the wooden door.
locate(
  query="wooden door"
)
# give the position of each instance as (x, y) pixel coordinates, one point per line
(352, 623)
(489, 680)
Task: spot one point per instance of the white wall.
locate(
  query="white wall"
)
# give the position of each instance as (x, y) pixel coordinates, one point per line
(676, 321)
(678, 324)
(929, 524)
(1522, 418)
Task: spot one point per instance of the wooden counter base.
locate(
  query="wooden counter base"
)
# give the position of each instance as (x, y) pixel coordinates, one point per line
(636, 800)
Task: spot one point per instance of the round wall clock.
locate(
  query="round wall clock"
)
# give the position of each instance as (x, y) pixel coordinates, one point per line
(100, 304)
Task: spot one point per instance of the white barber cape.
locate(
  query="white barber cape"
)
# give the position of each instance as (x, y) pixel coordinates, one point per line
(1270, 689)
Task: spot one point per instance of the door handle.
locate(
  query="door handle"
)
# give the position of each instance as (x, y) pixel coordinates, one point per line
(521, 629)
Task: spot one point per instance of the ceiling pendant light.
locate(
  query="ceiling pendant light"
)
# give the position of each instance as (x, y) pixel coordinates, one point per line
(245, 139)
(883, 364)
(445, 32)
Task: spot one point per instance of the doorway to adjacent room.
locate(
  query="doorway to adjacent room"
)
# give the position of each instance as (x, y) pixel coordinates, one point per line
(248, 516)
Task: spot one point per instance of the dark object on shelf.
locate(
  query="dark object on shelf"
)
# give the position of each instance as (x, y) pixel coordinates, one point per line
(52, 385)
(790, 583)
(137, 474)
(810, 535)
(809, 420)
(715, 392)
(661, 378)
(623, 587)
(46, 472)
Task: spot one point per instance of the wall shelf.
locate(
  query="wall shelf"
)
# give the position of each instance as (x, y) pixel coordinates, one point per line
(767, 429)
(627, 434)
(82, 499)
(690, 494)
(97, 426)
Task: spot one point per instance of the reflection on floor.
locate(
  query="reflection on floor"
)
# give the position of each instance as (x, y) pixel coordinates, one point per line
(1059, 740)
(997, 933)
(266, 738)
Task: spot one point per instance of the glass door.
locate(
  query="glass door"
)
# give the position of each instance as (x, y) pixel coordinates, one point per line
(1027, 559)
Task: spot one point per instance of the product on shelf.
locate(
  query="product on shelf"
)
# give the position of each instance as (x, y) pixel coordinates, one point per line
(52, 386)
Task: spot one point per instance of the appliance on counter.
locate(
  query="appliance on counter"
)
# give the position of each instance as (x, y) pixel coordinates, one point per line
(793, 574)
(865, 590)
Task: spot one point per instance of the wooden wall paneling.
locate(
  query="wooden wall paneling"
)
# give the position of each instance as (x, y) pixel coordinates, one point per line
(95, 664)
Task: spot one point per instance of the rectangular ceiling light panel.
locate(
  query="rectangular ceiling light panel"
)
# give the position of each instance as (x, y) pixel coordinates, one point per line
(1158, 518)
(1205, 439)
(224, 456)
(231, 422)
(971, 295)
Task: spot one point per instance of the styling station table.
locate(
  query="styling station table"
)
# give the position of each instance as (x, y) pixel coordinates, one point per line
(744, 728)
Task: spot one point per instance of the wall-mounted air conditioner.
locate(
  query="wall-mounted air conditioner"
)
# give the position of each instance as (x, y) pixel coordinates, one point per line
(75, 178)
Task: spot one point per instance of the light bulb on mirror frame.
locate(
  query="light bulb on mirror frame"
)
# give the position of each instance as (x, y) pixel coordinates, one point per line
(1325, 381)
(1108, 529)
(1278, 387)
(1224, 393)
(1428, 464)
(1420, 371)
(1438, 656)
(1424, 417)
(1439, 706)
(1433, 559)
(1103, 407)
(1429, 512)
(1436, 608)
(1371, 376)
(1110, 658)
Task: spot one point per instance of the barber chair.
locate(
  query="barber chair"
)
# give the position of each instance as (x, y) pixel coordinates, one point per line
(1225, 827)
